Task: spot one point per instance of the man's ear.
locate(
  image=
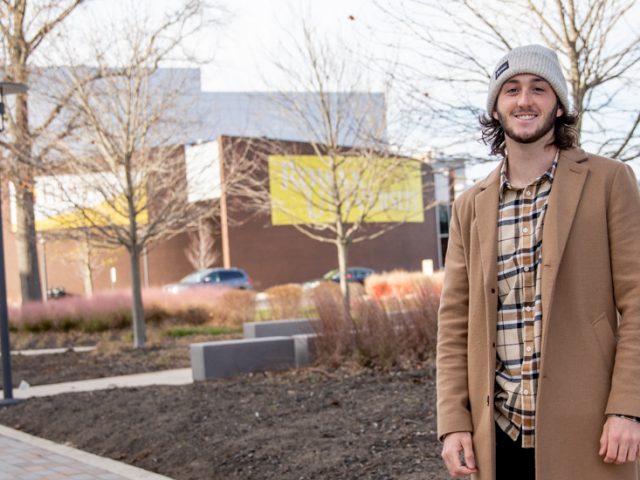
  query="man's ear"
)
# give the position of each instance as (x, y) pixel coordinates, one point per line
(559, 110)
(494, 114)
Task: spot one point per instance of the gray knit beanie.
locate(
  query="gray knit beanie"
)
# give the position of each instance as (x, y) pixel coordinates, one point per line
(533, 59)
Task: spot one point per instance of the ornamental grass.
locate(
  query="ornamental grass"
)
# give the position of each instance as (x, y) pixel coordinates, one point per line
(392, 322)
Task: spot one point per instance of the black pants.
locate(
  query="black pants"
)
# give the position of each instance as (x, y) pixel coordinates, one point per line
(512, 461)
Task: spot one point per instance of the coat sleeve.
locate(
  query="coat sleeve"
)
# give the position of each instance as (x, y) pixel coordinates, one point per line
(623, 220)
(453, 317)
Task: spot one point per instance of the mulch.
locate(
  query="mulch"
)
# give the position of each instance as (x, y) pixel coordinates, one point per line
(303, 424)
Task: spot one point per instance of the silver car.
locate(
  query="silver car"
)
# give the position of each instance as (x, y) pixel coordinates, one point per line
(211, 277)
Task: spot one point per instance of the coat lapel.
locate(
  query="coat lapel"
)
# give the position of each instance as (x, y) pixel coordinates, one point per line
(563, 202)
(486, 219)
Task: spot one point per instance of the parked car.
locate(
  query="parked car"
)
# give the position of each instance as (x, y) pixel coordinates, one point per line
(57, 292)
(227, 277)
(354, 274)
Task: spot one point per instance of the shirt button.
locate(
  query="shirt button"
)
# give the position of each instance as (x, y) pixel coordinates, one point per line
(525, 230)
(528, 309)
(528, 193)
(529, 349)
(526, 269)
(525, 391)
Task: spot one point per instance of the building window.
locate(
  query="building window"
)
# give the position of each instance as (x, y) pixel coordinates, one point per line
(444, 218)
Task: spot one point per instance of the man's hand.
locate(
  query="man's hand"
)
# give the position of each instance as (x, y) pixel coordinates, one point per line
(455, 444)
(620, 440)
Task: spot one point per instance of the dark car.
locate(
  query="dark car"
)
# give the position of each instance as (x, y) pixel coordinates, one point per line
(226, 277)
(354, 274)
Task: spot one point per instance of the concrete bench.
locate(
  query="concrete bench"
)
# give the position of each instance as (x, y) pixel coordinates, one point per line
(304, 348)
(280, 328)
(231, 357)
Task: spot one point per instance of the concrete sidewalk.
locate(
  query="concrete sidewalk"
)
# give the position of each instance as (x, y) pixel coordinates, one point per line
(26, 457)
(180, 376)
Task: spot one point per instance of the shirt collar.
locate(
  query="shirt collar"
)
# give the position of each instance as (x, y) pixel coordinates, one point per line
(548, 175)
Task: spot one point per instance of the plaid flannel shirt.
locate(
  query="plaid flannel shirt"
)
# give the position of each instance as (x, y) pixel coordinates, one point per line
(519, 327)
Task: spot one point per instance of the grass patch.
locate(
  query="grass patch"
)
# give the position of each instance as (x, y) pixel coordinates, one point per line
(200, 330)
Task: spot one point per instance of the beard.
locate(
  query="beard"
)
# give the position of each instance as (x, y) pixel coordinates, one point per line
(547, 125)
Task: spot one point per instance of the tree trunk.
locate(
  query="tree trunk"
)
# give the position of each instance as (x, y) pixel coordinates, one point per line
(26, 244)
(87, 270)
(139, 336)
(344, 285)
(87, 280)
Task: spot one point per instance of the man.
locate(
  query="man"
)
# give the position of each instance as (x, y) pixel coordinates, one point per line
(539, 326)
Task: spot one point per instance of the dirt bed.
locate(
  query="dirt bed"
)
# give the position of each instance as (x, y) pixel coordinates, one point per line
(302, 424)
(72, 366)
(113, 356)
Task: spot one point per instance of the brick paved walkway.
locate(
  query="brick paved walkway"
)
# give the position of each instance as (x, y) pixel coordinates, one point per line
(25, 457)
(19, 460)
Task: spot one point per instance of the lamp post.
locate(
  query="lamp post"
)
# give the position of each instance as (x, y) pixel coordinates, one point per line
(45, 279)
(6, 88)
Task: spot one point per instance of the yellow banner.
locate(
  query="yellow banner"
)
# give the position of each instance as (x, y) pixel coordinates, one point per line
(107, 213)
(81, 201)
(309, 189)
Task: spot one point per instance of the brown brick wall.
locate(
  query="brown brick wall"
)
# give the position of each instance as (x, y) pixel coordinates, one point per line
(270, 254)
(279, 254)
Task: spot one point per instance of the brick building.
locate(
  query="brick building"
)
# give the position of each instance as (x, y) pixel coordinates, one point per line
(271, 254)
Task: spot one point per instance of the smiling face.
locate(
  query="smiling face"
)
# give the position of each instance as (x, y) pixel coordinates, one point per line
(527, 108)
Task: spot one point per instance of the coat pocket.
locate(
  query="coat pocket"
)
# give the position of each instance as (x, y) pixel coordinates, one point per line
(605, 338)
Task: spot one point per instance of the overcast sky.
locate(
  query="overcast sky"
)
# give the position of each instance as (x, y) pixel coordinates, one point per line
(258, 27)
(243, 48)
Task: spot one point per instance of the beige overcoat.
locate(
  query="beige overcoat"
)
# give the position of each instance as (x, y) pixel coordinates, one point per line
(590, 353)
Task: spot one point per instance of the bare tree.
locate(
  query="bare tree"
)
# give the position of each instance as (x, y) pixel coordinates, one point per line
(124, 175)
(26, 27)
(88, 258)
(82, 254)
(350, 187)
(447, 50)
(201, 251)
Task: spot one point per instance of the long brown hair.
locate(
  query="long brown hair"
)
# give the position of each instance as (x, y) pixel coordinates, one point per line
(565, 135)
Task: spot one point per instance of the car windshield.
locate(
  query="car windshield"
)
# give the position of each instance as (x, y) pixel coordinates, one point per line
(230, 275)
(195, 277)
(358, 272)
(331, 274)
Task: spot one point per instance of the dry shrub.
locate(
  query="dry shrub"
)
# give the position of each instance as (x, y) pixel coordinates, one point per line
(420, 311)
(112, 311)
(196, 315)
(285, 300)
(88, 314)
(235, 308)
(335, 341)
(189, 303)
(377, 342)
(193, 306)
(383, 333)
(330, 288)
(356, 290)
(396, 283)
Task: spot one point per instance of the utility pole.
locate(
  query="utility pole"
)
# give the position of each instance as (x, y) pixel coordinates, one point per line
(6, 88)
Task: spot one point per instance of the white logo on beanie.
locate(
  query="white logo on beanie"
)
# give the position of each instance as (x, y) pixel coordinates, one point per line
(501, 69)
